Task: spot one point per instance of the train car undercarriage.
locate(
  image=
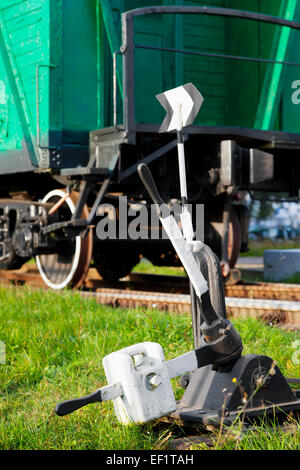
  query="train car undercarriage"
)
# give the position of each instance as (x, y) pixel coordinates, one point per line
(60, 229)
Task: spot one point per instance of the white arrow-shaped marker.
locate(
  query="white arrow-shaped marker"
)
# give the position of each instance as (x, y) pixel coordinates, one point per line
(182, 105)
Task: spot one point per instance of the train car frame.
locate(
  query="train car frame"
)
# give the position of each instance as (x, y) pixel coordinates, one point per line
(53, 186)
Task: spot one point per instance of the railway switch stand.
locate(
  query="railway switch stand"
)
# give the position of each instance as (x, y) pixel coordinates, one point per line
(224, 383)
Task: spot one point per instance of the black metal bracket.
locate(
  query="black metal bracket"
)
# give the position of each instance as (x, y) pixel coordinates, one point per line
(253, 381)
(253, 388)
(76, 225)
(150, 158)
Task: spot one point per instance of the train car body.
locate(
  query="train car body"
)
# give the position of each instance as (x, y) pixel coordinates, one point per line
(78, 82)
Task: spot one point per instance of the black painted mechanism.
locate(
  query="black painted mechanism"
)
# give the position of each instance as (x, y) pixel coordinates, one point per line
(225, 384)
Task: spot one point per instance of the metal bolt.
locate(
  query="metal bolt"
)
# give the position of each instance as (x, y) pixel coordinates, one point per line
(153, 381)
(262, 380)
(223, 331)
(138, 359)
(184, 380)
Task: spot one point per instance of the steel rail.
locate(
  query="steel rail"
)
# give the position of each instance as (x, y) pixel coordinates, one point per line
(281, 312)
(166, 284)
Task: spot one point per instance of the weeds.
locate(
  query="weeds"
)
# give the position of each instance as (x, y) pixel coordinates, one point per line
(241, 435)
(54, 347)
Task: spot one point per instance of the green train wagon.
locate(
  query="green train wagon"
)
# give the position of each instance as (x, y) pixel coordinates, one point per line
(78, 80)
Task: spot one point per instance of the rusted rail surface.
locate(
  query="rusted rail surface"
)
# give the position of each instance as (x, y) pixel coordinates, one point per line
(245, 290)
(284, 313)
(274, 303)
(163, 283)
(265, 290)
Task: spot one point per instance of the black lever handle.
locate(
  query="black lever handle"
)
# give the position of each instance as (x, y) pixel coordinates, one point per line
(148, 181)
(66, 407)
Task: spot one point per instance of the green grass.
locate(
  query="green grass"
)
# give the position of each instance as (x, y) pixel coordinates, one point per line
(54, 347)
(255, 277)
(294, 279)
(260, 437)
(145, 266)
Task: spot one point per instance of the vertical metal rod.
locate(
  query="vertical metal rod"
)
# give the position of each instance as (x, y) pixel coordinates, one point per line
(115, 102)
(115, 87)
(186, 216)
(128, 77)
(196, 305)
(182, 170)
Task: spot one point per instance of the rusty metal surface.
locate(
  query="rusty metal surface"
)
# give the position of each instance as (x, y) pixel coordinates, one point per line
(247, 290)
(265, 290)
(168, 284)
(285, 313)
(274, 303)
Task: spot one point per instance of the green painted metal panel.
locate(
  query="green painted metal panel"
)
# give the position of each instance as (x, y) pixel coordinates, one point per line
(56, 72)
(10, 127)
(290, 111)
(291, 90)
(274, 76)
(113, 36)
(48, 77)
(242, 81)
(79, 65)
(206, 34)
(237, 93)
(109, 42)
(154, 70)
(18, 61)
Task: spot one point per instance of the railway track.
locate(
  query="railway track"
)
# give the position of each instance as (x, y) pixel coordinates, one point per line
(162, 283)
(274, 303)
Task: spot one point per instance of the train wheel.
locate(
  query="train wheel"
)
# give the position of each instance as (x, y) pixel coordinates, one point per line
(69, 266)
(234, 238)
(214, 233)
(115, 263)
